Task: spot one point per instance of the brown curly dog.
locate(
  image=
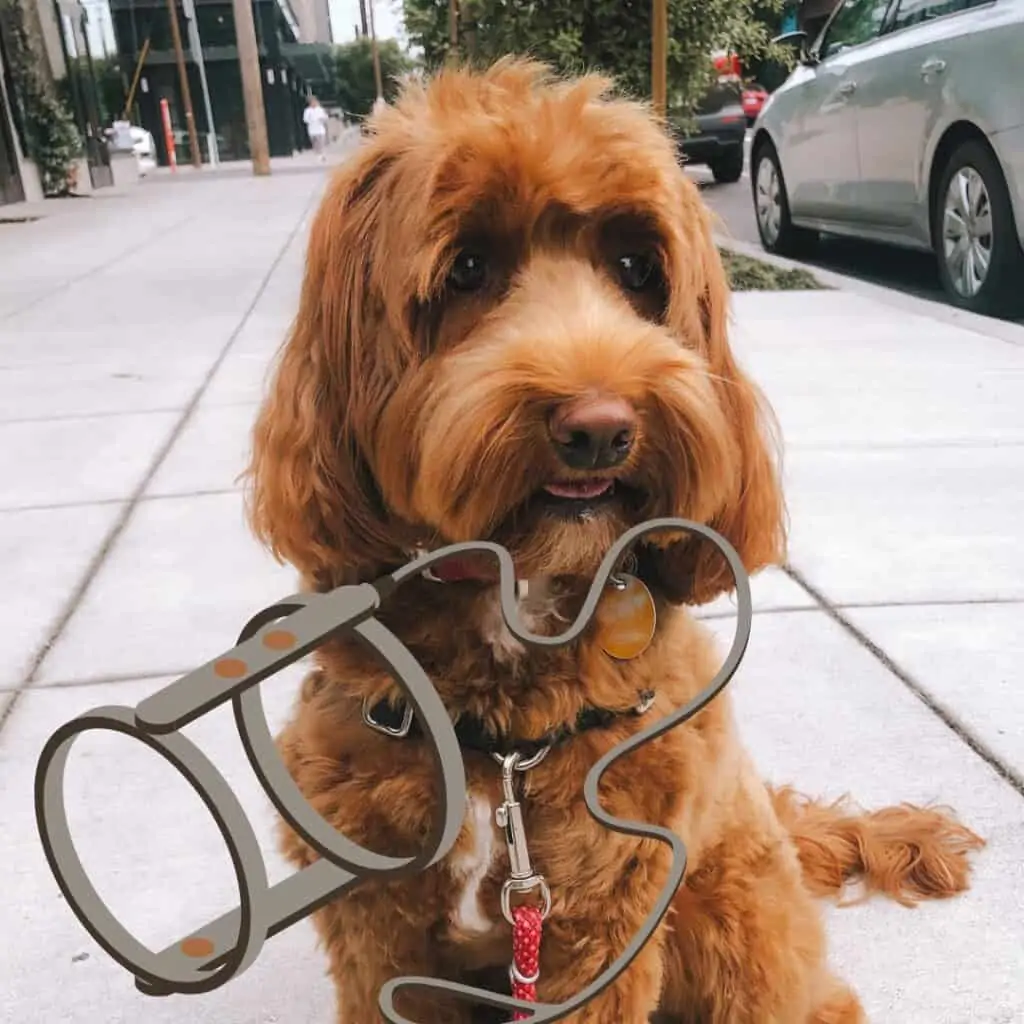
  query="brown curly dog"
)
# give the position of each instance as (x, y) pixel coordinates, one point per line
(513, 327)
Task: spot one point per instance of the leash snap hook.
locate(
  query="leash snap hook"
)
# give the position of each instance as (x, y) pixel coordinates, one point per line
(509, 818)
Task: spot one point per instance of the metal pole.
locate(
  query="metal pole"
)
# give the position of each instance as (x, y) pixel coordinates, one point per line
(186, 93)
(376, 54)
(165, 120)
(362, 18)
(659, 55)
(196, 45)
(252, 86)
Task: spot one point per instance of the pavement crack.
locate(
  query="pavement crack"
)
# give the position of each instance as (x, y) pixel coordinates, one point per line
(944, 714)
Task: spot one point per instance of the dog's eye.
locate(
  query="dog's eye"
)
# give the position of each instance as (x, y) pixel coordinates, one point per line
(469, 272)
(637, 272)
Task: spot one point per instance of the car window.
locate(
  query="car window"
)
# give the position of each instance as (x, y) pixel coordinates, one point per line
(913, 12)
(856, 22)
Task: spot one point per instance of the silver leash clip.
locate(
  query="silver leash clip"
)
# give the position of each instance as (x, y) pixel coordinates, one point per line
(509, 817)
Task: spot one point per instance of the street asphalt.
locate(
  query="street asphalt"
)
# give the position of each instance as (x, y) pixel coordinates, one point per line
(135, 333)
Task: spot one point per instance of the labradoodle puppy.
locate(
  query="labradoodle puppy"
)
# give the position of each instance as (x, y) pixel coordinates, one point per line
(513, 327)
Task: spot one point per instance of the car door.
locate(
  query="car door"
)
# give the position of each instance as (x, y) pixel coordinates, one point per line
(819, 156)
(901, 91)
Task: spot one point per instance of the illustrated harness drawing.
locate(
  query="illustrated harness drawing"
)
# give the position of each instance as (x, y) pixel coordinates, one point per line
(273, 639)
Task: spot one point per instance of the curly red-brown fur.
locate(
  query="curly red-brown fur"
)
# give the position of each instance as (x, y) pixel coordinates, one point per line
(408, 411)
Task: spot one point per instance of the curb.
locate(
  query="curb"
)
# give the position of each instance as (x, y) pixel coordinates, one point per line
(990, 327)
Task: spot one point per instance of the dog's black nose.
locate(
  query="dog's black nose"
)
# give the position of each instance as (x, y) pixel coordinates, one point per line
(595, 432)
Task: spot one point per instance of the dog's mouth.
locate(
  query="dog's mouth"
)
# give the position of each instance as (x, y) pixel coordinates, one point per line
(588, 496)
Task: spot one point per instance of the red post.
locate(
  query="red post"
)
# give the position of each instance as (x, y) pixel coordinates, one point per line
(165, 116)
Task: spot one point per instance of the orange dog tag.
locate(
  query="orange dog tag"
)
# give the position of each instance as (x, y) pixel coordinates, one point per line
(625, 618)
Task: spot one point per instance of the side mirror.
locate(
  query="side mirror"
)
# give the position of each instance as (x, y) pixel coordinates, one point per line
(799, 39)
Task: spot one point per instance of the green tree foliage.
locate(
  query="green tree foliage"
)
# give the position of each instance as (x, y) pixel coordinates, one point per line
(50, 134)
(353, 73)
(612, 36)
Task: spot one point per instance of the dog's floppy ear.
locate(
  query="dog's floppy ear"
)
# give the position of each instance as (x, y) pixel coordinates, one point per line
(752, 516)
(311, 496)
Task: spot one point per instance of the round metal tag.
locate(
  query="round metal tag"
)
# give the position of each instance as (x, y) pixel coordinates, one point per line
(625, 618)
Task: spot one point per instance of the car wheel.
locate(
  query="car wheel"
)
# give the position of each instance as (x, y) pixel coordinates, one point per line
(975, 239)
(729, 168)
(771, 207)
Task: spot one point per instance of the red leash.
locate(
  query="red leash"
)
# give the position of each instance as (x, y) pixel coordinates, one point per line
(527, 923)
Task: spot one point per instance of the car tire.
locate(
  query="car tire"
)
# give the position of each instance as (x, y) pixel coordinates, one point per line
(729, 168)
(777, 231)
(973, 227)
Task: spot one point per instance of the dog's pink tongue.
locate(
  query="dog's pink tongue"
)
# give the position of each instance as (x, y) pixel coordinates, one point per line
(579, 488)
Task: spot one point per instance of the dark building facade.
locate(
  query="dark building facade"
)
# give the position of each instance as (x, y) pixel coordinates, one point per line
(284, 87)
(12, 190)
(55, 35)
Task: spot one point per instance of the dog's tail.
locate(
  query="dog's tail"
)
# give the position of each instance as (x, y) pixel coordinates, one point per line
(906, 853)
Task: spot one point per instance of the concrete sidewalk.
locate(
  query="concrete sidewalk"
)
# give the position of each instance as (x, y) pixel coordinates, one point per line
(133, 346)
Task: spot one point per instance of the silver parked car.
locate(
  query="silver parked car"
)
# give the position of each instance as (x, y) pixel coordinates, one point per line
(904, 123)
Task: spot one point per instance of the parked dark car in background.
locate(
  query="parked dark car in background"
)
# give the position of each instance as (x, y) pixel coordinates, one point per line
(717, 138)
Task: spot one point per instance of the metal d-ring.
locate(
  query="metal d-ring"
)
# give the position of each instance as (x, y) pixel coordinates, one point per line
(516, 764)
(511, 885)
(646, 702)
(398, 732)
(627, 567)
(516, 975)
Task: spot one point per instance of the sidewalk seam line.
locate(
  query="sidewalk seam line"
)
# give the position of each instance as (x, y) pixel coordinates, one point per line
(118, 679)
(115, 532)
(108, 414)
(155, 496)
(104, 680)
(898, 447)
(939, 602)
(66, 417)
(939, 710)
(68, 283)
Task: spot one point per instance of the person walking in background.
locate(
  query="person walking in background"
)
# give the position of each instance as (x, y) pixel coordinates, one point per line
(316, 118)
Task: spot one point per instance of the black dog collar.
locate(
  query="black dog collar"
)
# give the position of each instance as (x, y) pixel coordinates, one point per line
(400, 722)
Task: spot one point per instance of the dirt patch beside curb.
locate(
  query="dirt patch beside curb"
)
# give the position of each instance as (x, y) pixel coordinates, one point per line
(747, 274)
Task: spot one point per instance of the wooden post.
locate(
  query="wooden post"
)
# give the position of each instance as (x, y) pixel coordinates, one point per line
(659, 55)
(135, 80)
(362, 18)
(453, 31)
(252, 86)
(186, 93)
(376, 54)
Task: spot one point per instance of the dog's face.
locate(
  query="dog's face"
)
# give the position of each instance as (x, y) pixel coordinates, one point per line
(513, 327)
